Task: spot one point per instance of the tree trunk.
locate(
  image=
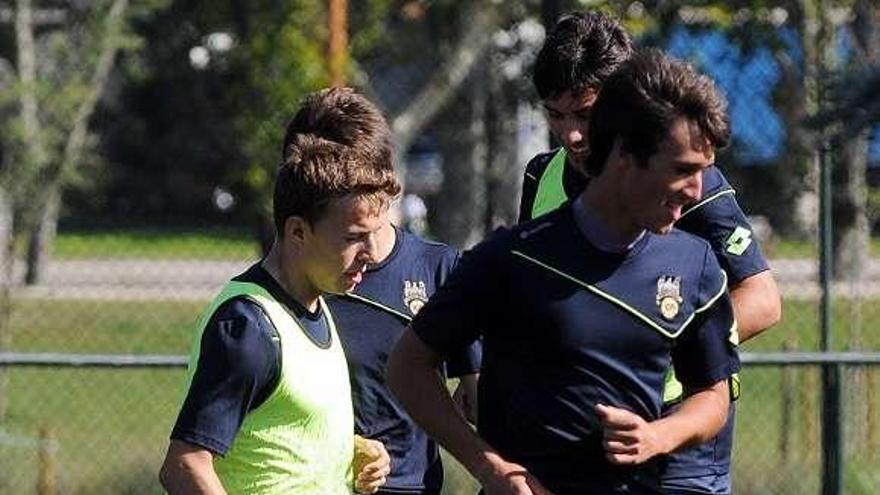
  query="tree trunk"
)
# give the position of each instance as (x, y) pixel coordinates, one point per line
(456, 214)
(810, 22)
(849, 207)
(41, 237)
(6, 260)
(503, 175)
(444, 85)
(850, 201)
(794, 177)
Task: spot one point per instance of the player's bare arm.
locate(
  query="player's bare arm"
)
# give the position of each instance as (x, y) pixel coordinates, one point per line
(630, 439)
(756, 304)
(413, 376)
(465, 396)
(189, 469)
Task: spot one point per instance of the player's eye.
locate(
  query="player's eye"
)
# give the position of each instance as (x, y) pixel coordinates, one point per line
(685, 172)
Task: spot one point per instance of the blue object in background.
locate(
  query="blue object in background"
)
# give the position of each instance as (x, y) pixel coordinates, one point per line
(748, 80)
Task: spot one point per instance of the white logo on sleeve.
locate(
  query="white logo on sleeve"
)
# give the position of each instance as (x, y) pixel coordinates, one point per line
(738, 241)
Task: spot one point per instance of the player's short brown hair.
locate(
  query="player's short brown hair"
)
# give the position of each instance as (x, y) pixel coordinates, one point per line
(337, 144)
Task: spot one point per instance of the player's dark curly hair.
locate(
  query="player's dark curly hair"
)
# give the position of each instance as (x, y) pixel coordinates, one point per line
(581, 51)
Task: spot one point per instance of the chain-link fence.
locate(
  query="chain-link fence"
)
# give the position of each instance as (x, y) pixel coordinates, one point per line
(172, 152)
(88, 430)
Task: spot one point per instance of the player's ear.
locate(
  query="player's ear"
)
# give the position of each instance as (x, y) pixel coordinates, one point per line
(296, 229)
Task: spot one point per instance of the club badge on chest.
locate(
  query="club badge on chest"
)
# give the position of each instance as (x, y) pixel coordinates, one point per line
(415, 295)
(669, 296)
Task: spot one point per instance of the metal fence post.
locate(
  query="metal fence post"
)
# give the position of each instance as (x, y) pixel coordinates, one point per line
(832, 469)
(832, 418)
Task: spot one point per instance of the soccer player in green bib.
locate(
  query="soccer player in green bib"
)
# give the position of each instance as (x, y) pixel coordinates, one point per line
(268, 408)
(578, 55)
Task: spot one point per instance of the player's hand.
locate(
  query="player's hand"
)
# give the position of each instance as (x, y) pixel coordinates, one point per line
(512, 479)
(371, 465)
(628, 438)
(465, 398)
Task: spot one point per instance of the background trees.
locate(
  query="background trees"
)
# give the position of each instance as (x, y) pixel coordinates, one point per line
(170, 111)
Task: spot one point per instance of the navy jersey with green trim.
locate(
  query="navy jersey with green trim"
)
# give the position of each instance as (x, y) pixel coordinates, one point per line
(717, 217)
(565, 326)
(369, 322)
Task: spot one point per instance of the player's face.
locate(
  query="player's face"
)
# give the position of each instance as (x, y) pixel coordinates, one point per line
(342, 242)
(569, 116)
(672, 179)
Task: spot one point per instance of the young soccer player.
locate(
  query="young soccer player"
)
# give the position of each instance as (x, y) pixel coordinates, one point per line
(268, 410)
(582, 311)
(577, 57)
(370, 319)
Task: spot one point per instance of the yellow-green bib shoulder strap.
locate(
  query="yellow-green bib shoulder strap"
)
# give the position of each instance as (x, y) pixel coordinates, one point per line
(551, 191)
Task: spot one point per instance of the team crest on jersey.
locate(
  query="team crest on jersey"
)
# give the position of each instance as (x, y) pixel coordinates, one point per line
(415, 295)
(669, 296)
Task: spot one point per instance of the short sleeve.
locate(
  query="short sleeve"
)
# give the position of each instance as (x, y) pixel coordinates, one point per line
(465, 361)
(452, 318)
(531, 178)
(706, 352)
(238, 368)
(719, 220)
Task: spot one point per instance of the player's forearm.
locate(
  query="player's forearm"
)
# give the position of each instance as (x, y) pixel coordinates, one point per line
(699, 418)
(413, 376)
(756, 304)
(189, 470)
(465, 396)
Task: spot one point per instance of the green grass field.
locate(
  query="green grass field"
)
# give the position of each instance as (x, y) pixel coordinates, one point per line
(799, 248)
(240, 244)
(112, 425)
(156, 244)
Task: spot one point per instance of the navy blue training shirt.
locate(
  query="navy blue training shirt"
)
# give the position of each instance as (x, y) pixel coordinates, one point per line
(566, 326)
(239, 364)
(719, 220)
(716, 217)
(369, 322)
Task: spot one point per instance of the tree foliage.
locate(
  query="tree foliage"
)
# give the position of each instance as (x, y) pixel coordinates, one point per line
(62, 68)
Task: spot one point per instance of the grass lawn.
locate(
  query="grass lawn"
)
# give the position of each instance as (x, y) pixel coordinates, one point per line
(156, 244)
(112, 425)
(799, 248)
(241, 244)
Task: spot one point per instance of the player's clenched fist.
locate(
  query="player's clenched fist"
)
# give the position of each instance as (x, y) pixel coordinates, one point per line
(507, 478)
(627, 437)
(371, 465)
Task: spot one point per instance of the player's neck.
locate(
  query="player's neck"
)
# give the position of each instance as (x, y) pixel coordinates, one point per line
(291, 278)
(386, 237)
(600, 205)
